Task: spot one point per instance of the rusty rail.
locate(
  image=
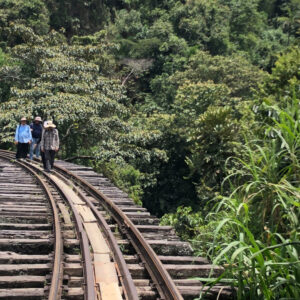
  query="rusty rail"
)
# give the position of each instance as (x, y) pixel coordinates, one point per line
(163, 282)
(126, 278)
(56, 280)
(84, 243)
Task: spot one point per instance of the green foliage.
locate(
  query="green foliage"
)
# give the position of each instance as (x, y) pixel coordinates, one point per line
(269, 174)
(212, 143)
(3, 58)
(202, 81)
(30, 13)
(203, 22)
(185, 222)
(286, 70)
(254, 231)
(258, 270)
(290, 20)
(193, 99)
(125, 177)
(128, 23)
(78, 16)
(4, 88)
(245, 20)
(263, 211)
(167, 169)
(236, 72)
(205, 119)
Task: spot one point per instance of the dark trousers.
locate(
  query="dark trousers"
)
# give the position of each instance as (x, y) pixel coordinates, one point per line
(22, 150)
(43, 159)
(49, 159)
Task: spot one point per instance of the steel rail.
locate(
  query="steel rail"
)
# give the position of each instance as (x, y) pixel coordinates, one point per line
(84, 243)
(126, 278)
(56, 280)
(160, 276)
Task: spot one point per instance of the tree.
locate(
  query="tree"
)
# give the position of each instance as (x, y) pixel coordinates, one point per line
(291, 18)
(78, 17)
(240, 76)
(5, 77)
(234, 71)
(30, 13)
(203, 23)
(66, 86)
(285, 71)
(205, 119)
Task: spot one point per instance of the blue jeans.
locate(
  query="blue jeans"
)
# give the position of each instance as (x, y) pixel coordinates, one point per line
(35, 148)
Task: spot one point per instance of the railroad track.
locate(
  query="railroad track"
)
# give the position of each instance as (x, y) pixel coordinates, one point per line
(83, 238)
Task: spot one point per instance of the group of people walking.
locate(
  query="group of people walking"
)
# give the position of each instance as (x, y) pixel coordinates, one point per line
(36, 137)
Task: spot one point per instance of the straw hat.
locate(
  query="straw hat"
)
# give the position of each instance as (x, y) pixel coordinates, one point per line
(50, 125)
(23, 119)
(38, 119)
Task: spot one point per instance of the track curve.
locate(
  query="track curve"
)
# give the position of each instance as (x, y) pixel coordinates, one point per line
(165, 276)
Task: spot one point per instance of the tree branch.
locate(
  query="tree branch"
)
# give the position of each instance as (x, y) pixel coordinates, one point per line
(68, 132)
(127, 77)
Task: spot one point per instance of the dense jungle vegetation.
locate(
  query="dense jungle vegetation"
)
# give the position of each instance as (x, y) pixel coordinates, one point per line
(191, 106)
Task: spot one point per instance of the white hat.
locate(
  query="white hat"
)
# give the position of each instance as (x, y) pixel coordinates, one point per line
(38, 119)
(49, 125)
(23, 119)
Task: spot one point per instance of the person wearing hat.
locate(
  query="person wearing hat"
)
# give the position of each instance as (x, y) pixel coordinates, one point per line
(23, 139)
(49, 144)
(36, 131)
